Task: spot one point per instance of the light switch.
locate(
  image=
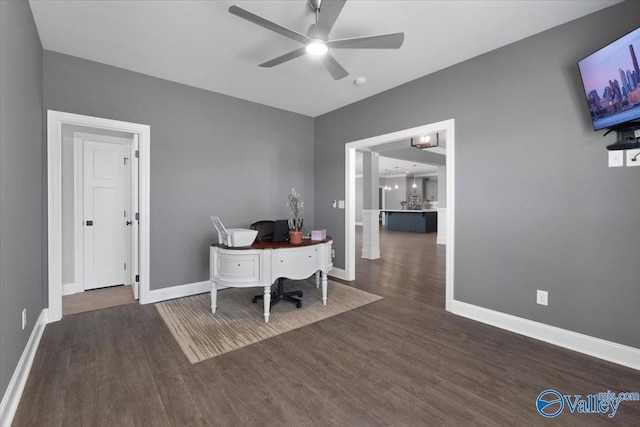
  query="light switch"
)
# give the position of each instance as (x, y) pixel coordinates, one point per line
(633, 157)
(616, 158)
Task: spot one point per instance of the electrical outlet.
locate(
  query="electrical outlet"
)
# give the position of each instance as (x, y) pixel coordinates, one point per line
(616, 158)
(633, 157)
(333, 253)
(24, 318)
(542, 297)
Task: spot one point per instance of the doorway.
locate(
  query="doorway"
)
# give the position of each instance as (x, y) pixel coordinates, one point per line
(140, 134)
(105, 202)
(350, 194)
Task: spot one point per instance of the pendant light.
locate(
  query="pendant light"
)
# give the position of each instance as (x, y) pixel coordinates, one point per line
(396, 186)
(414, 185)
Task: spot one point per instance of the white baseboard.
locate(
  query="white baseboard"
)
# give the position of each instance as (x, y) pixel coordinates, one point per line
(180, 291)
(338, 273)
(441, 240)
(359, 224)
(70, 289)
(596, 347)
(12, 395)
(371, 252)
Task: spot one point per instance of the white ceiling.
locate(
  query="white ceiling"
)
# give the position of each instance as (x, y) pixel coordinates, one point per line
(199, 43)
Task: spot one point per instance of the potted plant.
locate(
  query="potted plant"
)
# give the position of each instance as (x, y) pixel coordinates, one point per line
(295, 222)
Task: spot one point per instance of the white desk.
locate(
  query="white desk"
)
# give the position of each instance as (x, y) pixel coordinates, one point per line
(262, 263)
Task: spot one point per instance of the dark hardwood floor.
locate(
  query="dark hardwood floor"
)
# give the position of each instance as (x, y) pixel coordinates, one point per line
(401, 361)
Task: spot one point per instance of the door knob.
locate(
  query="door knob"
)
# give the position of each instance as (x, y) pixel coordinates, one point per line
(129, 222)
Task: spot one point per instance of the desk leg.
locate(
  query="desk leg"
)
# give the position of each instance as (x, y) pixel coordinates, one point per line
(317, 279)
(267, 302)
(324, 288)
(214, 297)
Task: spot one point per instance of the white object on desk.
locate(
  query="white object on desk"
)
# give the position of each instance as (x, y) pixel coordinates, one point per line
(319, 234)
(262, 266)
(233, 237)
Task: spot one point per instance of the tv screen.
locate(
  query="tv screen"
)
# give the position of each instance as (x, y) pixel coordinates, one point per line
(611, 80)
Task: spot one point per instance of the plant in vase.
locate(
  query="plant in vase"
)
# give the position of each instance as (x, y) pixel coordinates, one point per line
(295, 222)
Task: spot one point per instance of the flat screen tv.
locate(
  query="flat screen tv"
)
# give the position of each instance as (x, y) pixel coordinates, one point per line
(611, 80)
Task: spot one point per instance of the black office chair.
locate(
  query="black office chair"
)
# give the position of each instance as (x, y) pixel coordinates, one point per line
(266, 231)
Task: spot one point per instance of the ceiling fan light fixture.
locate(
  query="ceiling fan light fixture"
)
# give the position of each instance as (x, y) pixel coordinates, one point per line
(317, 47)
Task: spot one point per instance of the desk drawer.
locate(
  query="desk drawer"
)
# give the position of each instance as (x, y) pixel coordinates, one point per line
(296, 264)
(239, 268)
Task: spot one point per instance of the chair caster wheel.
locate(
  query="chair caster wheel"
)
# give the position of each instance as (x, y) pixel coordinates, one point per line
(298, 305)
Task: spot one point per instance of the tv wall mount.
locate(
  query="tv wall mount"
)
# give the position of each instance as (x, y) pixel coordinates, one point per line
(628, 136)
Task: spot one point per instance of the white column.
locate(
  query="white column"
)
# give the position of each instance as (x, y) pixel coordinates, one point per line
(442, 226)
(370, 234)
(370, 210)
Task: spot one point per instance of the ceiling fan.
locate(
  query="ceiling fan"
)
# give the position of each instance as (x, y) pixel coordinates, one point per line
(316, 41)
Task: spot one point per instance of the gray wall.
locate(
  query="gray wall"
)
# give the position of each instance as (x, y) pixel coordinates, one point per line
(573, 230)
(211, 154)
(21, 189)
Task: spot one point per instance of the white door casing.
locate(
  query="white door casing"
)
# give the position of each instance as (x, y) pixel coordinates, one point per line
(133, 217)
(55, 122)
(448, 126)
(104, 219)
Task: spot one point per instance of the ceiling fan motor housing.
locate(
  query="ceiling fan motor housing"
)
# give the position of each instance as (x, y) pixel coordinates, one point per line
(315, 4)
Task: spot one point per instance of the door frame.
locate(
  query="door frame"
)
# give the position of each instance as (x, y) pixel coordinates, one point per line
(78, 203)
(55, 120)
(350, 193)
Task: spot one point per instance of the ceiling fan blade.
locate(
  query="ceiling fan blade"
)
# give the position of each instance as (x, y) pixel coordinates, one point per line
(385, 41)
(335, 69)
(284, 58)
(258, 20)
(329, 12)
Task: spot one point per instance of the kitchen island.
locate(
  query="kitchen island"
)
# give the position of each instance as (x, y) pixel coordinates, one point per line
(415, 221)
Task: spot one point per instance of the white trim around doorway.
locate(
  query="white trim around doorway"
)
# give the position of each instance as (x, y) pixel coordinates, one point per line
(55, 120)
(350, 192)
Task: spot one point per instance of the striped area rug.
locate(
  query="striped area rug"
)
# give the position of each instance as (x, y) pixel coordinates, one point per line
(238, 323)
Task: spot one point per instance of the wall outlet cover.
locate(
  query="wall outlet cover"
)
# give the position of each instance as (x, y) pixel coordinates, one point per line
(631, 155)
(616, 159)
(542, 297)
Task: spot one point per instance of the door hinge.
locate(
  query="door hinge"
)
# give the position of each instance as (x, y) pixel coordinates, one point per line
(125, 161)
(125, 213)
(125, 265)
(137, 154)
(137, 277)
(137, 216)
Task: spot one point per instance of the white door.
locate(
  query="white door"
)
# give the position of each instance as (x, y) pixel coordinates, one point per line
(104, 221)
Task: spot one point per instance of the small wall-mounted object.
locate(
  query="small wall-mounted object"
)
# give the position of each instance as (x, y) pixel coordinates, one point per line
(425, 142)
(616, 159)
(633, 157)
